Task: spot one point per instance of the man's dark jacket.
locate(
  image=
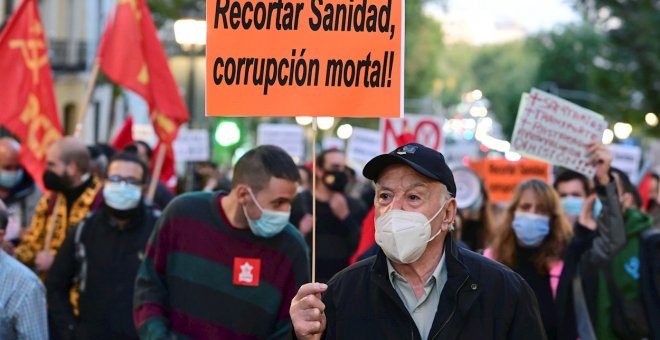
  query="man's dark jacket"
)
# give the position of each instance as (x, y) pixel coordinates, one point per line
(113, 256)
(482, 299)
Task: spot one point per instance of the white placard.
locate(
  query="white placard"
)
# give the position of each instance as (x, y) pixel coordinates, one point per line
(332, 143)
(626, 158)
(426, 129)
(363, 145)
(290, 137)
(192, 146)
(557, 131)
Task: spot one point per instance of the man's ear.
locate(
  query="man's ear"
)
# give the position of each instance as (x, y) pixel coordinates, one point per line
(72, 169)
(450, 214)
(242, 194)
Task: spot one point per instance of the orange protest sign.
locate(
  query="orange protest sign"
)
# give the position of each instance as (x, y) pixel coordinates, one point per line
(501, 177)
(304, 58)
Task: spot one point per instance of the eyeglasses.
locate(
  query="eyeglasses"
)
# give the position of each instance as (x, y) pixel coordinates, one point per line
(127, 180)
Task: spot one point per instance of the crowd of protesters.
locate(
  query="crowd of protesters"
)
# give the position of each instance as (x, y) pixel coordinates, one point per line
(91, 257)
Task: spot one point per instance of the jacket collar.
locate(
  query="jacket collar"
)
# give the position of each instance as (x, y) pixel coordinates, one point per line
(456, 299)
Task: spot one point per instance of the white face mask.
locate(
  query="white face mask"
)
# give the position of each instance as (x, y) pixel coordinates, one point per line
(403, 235)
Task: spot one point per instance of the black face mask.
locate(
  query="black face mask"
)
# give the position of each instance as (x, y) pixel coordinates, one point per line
(335, 180)
(54, 182)
(123, 214)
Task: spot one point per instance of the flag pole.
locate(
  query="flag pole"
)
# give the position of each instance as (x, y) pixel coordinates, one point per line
(51, 224)
(88, 96)
(314, 131)
(160, 159)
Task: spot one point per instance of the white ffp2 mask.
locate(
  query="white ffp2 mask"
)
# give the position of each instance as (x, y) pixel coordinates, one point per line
(403, 235)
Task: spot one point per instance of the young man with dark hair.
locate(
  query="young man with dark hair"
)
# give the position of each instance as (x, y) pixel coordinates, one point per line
(226, 265)
(22, 297)
(338, 216)
(100, 258)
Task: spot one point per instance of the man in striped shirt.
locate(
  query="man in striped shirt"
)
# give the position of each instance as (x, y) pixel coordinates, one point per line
(226, 266)
(22, 296)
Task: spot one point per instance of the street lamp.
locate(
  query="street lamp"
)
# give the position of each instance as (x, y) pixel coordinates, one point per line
(622, 130)
(651, 119)
(191, 35)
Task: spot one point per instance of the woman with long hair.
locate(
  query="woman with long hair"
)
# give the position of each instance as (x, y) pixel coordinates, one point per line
(531, 241)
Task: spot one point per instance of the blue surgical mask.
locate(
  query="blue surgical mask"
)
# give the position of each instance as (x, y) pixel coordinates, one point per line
(598, 207)
(122, 196)
(9, 179)
(270, 223)
(572, 205)
(531, 229)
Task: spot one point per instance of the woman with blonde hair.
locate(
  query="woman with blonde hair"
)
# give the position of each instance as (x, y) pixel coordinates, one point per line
(531, 240)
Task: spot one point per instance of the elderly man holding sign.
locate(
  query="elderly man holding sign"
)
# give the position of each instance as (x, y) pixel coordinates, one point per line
(420, 285)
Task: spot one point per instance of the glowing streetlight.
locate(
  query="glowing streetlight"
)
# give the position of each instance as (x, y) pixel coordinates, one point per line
(651, 119)
(476, 94)
(325, 123)
(512, 156)
(190, 32)
(478, 111)
(344, 131)
(304, 120)
(622, 130)
(608, 136)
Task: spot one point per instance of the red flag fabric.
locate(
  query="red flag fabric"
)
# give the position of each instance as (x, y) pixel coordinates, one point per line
(643, 188)
(132, 56)
(27, 104)
(124, 136)
(168, 172)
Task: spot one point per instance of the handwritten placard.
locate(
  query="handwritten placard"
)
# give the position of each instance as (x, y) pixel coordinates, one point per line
(557, 131)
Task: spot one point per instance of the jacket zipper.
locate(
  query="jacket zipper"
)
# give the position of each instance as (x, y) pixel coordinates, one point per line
(453, 311)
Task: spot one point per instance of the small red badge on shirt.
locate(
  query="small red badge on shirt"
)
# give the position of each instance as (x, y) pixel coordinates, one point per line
(246, 271)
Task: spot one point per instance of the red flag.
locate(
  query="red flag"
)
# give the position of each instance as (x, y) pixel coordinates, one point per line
(27, 102)
(644, 188)
(124, 136)
(168, 172)
(132, 56)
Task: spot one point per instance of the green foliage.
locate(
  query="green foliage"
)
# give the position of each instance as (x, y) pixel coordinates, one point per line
(162, 10)
(503, 72)
(423, 48)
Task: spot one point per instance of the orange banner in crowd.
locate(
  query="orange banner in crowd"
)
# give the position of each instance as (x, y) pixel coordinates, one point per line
(501, 177)
(304, 58)
(28, 103)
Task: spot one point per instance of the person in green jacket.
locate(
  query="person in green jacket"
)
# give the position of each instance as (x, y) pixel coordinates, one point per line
(620, 314)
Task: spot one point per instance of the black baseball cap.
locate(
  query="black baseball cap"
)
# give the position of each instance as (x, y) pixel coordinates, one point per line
(426, 161)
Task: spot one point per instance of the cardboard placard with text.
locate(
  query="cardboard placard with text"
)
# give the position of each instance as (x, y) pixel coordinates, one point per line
(339, 58)
(555, 130)
(363, 145)
(426, 129)
(290, 137)
(501, 176)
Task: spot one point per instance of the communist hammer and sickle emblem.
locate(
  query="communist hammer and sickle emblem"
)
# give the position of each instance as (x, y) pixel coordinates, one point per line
(162, 122)
(41, 133)
(33, 50)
